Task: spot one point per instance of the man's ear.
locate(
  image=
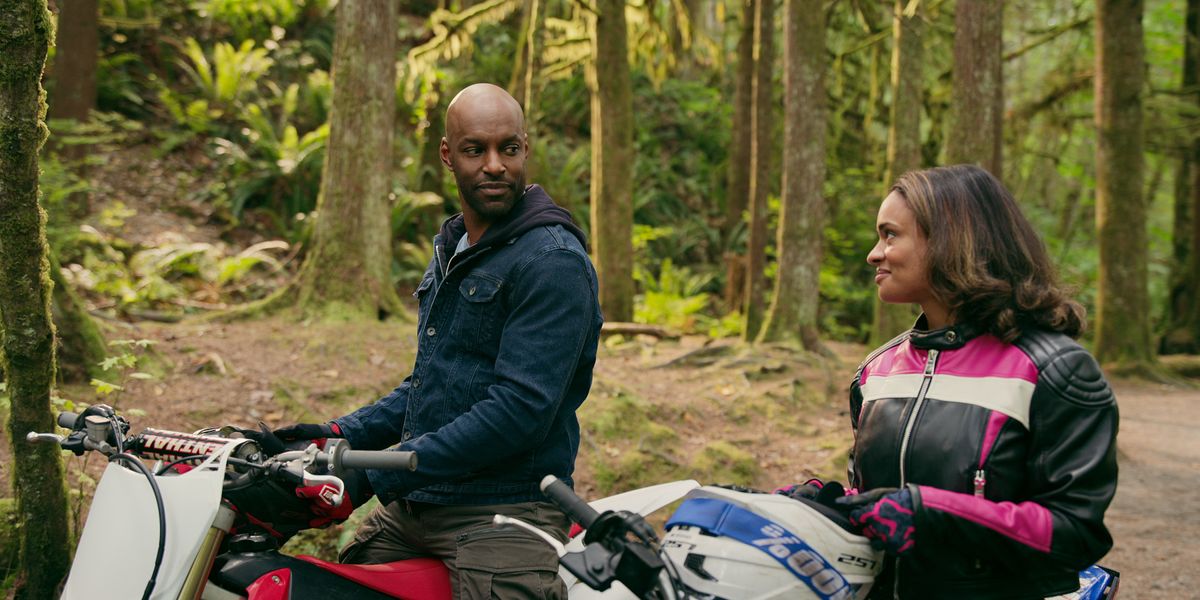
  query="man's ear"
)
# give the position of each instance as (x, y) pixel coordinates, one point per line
(444, 152)
(525, 139)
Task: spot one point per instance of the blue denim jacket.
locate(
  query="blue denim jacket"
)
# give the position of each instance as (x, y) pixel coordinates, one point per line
(507, 336)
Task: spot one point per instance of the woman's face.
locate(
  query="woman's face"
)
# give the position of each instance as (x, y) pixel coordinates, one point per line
(901, 271)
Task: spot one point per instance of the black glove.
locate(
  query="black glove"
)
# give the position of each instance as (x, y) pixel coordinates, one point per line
(821, 492)
(292, 437)
(308, 431)
(886, 516)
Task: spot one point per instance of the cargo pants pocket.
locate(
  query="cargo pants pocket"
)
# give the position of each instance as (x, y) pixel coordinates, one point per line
(506, 563)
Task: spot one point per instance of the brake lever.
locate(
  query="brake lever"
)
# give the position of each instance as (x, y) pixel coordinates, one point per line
(34, 437)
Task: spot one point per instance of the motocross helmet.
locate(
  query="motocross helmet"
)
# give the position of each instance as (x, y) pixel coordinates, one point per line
(820, 555)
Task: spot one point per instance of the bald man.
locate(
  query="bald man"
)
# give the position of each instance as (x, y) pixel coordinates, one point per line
(506, 340)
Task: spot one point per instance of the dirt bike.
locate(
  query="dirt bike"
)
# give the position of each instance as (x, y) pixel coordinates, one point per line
(207, 518)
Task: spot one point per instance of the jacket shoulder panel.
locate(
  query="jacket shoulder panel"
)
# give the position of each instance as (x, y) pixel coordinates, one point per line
(1067, 368)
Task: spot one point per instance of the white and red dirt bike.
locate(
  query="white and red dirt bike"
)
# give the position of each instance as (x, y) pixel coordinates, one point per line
(211, 530)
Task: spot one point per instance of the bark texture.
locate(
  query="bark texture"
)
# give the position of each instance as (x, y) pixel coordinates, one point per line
(1122, 315)
(347, 274)
(904, 142)
(977, 110)
(762, 123)
(612, 159)
(799, 239)
(1183, 309)
(737, 193)
(28, 333)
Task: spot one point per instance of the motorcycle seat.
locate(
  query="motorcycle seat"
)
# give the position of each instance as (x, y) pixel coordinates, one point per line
(413, 579)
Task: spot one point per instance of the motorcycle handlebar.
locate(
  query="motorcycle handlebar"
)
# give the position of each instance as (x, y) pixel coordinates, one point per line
(67, 419)
(566, 499)
(369, 459)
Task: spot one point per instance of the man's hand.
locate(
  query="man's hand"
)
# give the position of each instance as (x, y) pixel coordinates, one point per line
(885, 515)
(316, 433)
(285, 438)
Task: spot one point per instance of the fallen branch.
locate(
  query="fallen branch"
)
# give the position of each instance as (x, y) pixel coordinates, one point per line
(621, 328)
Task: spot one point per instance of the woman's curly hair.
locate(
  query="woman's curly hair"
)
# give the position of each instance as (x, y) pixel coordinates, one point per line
(985, 261)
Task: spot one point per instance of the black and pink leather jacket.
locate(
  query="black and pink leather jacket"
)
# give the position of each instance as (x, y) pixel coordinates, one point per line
(1009, 451)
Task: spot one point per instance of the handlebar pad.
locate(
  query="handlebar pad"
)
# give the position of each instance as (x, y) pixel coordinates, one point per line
(570, 503)
(394, 460)
(67, 419)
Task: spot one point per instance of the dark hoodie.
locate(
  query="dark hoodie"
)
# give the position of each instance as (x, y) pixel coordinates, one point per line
(533, 209)
(507, 335)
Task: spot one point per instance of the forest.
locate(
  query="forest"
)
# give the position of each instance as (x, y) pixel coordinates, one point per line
(175, 168)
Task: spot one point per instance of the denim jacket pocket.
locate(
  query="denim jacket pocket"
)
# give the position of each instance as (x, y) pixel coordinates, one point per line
(481, 310)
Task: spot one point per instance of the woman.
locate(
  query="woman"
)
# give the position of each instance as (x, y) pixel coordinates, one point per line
(985, 437)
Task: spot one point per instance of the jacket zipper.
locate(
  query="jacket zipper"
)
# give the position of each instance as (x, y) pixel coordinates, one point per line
(930, 364)
(980, 481)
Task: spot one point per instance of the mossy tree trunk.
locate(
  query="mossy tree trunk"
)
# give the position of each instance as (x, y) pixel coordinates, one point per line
(977, 109)
(762, 124)
(800, 237)
(1183, 309)
(612, 159)
(1122, 301)
(737, 193)
(28, 333)
(77, 49)
(904, 141)
(738, 189)
(348, 272)
(81, 346)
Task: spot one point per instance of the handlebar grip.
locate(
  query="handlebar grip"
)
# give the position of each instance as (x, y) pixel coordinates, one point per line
(67, 419)
(570, 503)
(394, 460)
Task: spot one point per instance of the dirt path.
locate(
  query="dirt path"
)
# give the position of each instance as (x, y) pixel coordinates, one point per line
(1155, 519)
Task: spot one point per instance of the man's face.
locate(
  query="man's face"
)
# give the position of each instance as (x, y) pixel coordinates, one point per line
(486, 148)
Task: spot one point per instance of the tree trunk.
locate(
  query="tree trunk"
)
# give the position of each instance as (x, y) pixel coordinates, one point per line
(904, 142)
(347, 274)
(528, 59)
(77, 47)
(1122, 315)
(612, 159)
(28, 338)
(81, 346)
(799, 241)
(1183, 309)
(740, 151)
(762, 123)
(978, 83)
(430, 179)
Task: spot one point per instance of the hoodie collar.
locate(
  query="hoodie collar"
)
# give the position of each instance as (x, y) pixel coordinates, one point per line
(950, 337)
(533, 209)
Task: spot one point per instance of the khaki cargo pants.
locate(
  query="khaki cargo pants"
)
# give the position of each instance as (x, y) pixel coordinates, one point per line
(485, 562)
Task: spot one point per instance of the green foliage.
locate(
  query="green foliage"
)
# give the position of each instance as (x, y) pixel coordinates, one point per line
(223, 83)
(414, 215)
(274, 166)
(253, 20)
(122, 365)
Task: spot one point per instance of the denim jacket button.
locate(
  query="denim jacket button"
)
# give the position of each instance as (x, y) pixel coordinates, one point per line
(471, 292)
(431, 332)
(407, 436)
(416, 382)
